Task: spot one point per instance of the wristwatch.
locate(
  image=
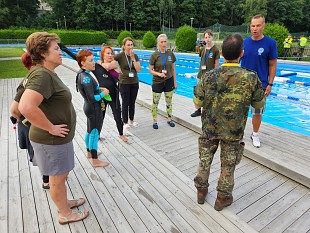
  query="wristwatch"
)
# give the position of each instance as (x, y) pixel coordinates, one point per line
(270, 84)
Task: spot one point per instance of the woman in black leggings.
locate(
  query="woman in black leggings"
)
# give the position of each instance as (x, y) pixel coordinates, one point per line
(107, 75)
(128, 81)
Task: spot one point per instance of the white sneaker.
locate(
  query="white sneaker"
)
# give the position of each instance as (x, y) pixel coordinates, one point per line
(133, 123)
(126, 126)
(255, 140)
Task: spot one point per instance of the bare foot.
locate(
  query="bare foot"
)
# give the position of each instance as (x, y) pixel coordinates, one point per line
(99, 163)
(123, 138)
(89, 154)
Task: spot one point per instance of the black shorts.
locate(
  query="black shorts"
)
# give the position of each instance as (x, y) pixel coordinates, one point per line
(166, 86)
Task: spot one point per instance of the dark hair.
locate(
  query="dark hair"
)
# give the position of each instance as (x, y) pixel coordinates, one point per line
(124, 42)
(258, 16)
(232, 46)
(209, 32)
(82, 55)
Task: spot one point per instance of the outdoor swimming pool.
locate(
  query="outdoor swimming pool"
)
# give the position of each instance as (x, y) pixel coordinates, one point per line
(288, 106)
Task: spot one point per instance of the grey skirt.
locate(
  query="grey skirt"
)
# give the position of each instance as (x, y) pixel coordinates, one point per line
(53, 160)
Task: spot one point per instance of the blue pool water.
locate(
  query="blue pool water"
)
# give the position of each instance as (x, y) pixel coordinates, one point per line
(288, 106)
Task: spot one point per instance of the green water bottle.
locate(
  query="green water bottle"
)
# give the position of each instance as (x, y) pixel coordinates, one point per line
(107, 97)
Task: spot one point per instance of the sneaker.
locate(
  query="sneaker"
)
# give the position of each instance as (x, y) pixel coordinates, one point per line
(255, 140)
(126, 126)
(196, 113)
(155, 126)
(133, 123)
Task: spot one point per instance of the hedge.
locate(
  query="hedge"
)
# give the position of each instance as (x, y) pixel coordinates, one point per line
(66, 36)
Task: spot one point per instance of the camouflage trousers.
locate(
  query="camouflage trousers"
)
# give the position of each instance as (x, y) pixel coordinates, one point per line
(231, 154)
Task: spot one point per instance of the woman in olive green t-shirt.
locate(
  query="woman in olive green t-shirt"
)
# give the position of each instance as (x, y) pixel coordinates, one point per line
(128, 81)
(46, 103)
(164, 78)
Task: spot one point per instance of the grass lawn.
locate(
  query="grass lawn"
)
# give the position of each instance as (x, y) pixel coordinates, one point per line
(11, 52)
(12, 69)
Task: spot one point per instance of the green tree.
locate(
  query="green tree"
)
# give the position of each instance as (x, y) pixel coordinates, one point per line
(18, 13)
(253, 7)
(287, 12)
(278, 33)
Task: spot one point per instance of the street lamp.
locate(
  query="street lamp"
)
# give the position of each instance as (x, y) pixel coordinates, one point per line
(57, 24)
(130, 27)
(192, 22)
(65, 22)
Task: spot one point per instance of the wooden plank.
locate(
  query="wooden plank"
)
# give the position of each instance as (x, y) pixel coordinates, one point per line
(30, 218)
(107, 213)
(266, 202)
(157, 191)
(43, 206)
(259, 192)
(15, 208)
(161, 170)
(290, 215)
(130, 214)
(301, 225)
(4, 131)
(265, 218)
(191, 190)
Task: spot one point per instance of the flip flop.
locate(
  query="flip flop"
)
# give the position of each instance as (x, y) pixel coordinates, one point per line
(80, 215)
(77, 202)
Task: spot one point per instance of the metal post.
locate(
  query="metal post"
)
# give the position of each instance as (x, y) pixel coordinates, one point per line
(65, 22)
(192, 22)
(57, 24)
(130, 27)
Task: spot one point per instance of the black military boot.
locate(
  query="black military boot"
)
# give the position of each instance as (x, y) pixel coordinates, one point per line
(222, 202)
(201, 195)
(196, 113)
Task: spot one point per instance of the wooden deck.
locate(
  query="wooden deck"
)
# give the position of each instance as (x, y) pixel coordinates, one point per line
(148, 187)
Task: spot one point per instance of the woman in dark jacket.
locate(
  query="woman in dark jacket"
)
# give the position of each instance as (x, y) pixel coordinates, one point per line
(107, 75)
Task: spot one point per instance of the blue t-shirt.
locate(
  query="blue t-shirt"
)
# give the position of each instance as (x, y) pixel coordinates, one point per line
(257, 54)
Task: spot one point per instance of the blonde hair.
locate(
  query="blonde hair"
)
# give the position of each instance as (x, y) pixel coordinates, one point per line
(39, 43)
(160, 36)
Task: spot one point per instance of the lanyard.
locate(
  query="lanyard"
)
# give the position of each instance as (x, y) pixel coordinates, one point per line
(163, 59)
(129, 63)
(207, 55)
(231, 64)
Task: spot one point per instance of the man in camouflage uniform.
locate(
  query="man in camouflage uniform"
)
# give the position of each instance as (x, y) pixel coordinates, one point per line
(225, 94)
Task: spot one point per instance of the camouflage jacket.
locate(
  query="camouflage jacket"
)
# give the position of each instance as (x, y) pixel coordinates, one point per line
(226, 94)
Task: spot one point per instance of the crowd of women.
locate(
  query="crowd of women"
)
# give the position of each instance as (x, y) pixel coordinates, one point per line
(45, 101)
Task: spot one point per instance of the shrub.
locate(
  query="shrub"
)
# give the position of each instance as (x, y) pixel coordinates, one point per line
(278, 33)
(123, 35)
(149, 40)
(185, 38)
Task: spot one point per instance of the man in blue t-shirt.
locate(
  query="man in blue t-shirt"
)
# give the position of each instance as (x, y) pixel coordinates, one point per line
(260, 55)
